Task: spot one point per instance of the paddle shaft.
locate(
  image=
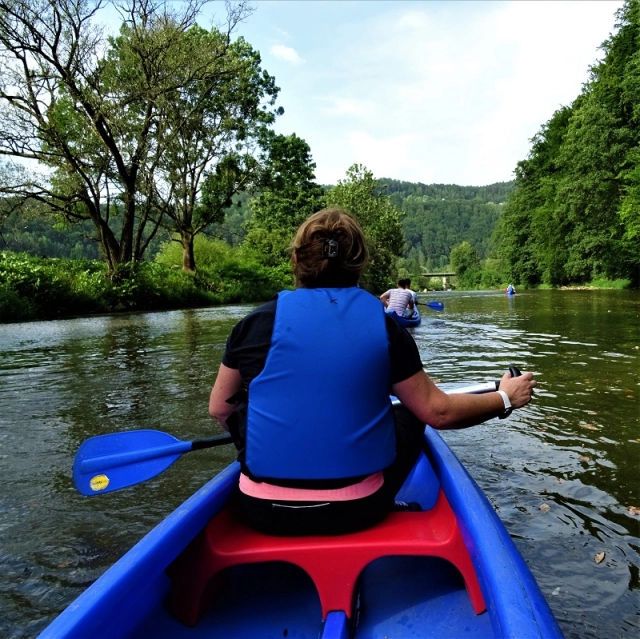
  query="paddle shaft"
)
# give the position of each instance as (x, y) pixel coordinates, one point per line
(476, 389)
(485, 387)
(105, 462)
(436, 306)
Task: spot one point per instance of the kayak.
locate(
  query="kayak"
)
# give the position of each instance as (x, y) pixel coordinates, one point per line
(451, 570)
(407, 322)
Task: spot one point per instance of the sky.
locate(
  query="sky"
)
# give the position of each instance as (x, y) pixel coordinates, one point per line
(423, 91)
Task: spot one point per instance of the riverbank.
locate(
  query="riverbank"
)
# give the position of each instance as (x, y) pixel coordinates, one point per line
(33, 288)
(40, 288)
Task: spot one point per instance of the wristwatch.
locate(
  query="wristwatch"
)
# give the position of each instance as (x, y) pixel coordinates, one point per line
(507, 405)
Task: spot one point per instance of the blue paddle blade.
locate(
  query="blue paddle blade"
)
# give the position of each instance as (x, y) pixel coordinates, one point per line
(436, 306)
(111, 462)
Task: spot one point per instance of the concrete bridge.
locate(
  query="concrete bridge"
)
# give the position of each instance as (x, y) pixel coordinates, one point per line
(444, 277)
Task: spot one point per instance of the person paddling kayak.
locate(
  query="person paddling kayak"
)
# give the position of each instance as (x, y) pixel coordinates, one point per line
(398, 300)
(304, 385)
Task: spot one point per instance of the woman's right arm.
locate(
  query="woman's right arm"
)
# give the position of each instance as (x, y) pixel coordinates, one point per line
(227, 384)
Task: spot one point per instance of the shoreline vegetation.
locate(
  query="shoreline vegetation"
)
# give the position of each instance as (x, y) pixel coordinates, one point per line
(41, 288)
(165, 164)
(36, 288)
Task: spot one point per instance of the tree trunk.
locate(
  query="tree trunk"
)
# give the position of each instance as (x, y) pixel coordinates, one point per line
(128, 222)
(188, 258)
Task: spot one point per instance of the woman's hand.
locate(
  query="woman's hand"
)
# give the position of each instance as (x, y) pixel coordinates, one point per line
(519, 389)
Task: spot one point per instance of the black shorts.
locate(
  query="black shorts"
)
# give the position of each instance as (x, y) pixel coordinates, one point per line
(294, 518)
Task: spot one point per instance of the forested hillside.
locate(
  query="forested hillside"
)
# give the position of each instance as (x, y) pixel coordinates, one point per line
(574, 215)
(439, 217)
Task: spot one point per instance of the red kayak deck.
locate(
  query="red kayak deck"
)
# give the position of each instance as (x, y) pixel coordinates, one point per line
(334, 563)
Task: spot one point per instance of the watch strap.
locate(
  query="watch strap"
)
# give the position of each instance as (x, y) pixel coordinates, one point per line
(507, 404)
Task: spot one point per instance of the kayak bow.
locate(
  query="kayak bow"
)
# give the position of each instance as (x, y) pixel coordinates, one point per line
(278, 599)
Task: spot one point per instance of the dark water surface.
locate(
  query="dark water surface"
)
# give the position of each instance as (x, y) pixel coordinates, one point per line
(574, 451)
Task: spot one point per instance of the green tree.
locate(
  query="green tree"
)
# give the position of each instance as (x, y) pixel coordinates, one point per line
(288, 195)
(360, 193)
(531, 234)
(208, 140)
(465, 261)
(103, 116)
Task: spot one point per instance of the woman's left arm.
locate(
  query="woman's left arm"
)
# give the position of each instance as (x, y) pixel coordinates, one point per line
(227, 384)
(440, 410)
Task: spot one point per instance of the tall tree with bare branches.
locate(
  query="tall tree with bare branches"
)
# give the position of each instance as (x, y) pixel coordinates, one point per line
(103, 121)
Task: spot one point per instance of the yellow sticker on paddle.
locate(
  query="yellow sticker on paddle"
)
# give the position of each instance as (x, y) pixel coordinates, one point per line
(99, 482)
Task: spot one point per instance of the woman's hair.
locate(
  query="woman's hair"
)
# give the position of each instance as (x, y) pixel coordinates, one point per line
(329, 250)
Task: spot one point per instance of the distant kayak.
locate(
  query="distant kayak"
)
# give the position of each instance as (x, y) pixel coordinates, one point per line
(407, 322)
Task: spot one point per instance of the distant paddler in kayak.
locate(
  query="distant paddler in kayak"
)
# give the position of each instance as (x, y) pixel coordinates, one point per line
(510, 290)
(414, 298)
(399, 300)
(304, 390)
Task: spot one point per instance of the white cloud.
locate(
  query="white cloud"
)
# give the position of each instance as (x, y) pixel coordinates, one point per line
(282, 32)
(337, 106)
(285, 53)
(462, 95)
(428, 91)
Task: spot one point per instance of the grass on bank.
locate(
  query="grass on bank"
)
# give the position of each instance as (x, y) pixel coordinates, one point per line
(34, 288)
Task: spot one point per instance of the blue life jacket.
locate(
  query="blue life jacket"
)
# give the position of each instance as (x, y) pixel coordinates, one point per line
(320, 408)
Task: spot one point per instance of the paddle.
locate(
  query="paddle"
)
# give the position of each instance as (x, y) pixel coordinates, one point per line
(118, 460)
(111, 462)
(436, 306)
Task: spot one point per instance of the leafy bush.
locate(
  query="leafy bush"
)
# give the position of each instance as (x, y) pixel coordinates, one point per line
(228, 274)
(616, 284)
(14, 308)
(208, 253)
(490, 278)
(234, 281)
(41, 288)
(43, 283)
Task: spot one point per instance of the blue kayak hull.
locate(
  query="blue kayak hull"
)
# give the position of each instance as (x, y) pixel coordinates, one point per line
(400, 596)
(407, 322)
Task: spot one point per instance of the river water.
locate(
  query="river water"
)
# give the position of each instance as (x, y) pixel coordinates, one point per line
(563, 473)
